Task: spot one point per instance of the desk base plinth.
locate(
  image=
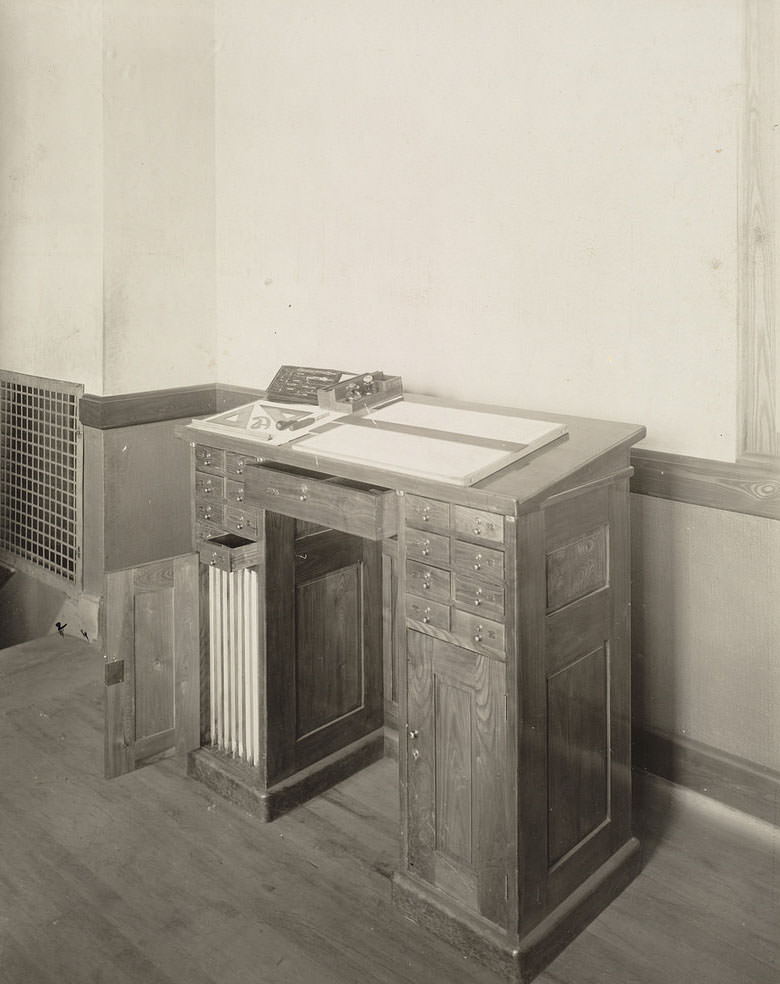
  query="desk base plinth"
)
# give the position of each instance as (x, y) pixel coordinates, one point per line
(517, 960)
(242, 784)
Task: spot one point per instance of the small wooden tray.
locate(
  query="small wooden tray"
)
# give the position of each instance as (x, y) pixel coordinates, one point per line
(369, 389)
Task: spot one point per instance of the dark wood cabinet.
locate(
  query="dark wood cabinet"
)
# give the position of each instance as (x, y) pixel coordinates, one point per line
(515, 759)
(486, 625)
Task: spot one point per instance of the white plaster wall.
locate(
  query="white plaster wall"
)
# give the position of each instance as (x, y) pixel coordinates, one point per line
(51, 170)
(530, 204)
(158, 85)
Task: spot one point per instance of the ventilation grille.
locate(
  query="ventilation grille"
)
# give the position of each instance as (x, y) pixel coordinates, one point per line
(40, 469)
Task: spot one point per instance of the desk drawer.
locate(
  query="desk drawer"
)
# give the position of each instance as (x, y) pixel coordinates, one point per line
(427, 513)
(476, 595)
(212, 486)
(427, 582)
(209, 512)
(236, 464)
(235, 492)
(428, 612)
(243, 521)
(209, 459)
(478, 523)
(230, 552)
(431, 548)
(478, 633)
(478, 561)
(336, 503)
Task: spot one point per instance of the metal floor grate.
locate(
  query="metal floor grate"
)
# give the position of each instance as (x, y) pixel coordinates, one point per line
(40, 474)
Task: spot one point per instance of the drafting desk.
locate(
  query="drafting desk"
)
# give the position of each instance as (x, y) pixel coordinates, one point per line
(487, 623)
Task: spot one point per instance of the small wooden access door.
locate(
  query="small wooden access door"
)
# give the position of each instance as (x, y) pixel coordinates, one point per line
(459, 816)
(152, 689)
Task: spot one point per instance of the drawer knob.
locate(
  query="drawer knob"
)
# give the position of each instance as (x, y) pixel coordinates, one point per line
(425, 515)
(240, 524)
(240, 466)
(213, 559)
(478, 634)
(427, 616)
(478, 562)
(415, 754)
(477, 531)
(239, 496)
(414, 733)
(425, 548)
(477, 601)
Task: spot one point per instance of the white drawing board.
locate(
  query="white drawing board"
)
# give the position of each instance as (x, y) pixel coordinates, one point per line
(442, 444)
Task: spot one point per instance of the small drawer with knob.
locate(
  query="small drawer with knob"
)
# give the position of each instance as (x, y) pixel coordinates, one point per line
(236, 464)
(478, 523)
(207, 511)
(209, 459)
(351, 507)
(476, 595)
(425, 513)
(479, 633)
(209, 486)
(235, 492)
(479, 561)
(229, 552)
(243, 521)
(428, 612)
(427, 582)
(431, 548)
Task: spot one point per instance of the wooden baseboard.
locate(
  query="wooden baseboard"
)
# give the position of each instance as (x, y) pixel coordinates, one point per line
(733, 781)
(517, 959)
(240, 783)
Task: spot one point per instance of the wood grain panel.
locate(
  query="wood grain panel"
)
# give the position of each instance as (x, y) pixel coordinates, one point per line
(757, 384)
(151, 626)
(329, 665)
(154, 652)
(577, 568)
(742, 488)
(453, 783)
(179, 403)
(578, 752)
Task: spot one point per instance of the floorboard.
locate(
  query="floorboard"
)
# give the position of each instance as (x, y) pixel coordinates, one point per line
(152, 879)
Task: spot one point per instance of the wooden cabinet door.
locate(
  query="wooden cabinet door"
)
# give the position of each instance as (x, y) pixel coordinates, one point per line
(152, 687)
(324, 643)
(458, 794)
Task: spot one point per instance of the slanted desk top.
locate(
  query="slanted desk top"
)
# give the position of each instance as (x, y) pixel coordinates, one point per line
(576, 455)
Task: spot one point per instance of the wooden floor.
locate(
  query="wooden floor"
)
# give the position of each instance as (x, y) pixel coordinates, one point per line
(152, 879)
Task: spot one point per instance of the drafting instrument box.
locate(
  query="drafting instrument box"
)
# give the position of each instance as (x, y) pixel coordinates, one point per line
(361, 392)
(301, 384)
